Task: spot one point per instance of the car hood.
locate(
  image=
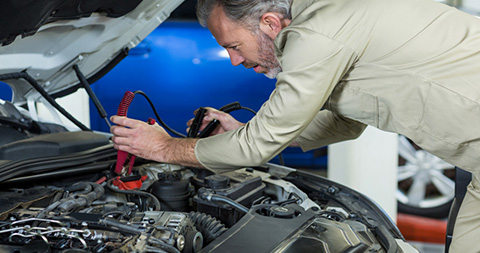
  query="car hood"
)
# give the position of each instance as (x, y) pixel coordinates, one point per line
(44, 39)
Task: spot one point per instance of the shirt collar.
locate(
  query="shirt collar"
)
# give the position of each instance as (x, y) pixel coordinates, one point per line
(299, 5)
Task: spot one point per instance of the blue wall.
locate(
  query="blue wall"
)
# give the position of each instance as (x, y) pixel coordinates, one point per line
(180, 67)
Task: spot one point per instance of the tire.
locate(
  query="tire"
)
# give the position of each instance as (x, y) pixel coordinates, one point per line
(426, 184)
(438, 212)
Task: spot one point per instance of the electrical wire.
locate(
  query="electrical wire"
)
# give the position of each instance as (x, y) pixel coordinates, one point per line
(248, 109)
(227, 108)
(160, 121)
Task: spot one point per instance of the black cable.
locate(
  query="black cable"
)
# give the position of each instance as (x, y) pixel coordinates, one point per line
(122, 226)
(230, 107)
(115, 212)
(44, 94)
(160, 121)
(211, 126)
(248, 109)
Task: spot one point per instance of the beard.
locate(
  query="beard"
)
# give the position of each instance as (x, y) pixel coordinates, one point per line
(266, 52)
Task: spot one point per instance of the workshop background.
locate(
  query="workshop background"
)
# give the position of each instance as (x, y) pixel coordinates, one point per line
(179, 81)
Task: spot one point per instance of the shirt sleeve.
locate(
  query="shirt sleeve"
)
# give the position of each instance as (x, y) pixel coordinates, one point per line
(312, 65)
(327, 128)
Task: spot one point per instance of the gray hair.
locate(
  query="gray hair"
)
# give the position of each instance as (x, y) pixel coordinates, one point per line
(245, 12)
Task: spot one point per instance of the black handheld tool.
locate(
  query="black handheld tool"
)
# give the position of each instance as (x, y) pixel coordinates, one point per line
(214, 123)
(197, 122)
(209, 128)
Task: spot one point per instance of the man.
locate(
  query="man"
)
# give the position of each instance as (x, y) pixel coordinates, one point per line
(405, 66)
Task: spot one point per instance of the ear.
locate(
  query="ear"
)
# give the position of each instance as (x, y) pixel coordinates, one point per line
(271, 24)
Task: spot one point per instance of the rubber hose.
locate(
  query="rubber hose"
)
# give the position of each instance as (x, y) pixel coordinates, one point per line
(231, 107)
(84, 199)
(224, 200)
(210, 227)
(139, 193)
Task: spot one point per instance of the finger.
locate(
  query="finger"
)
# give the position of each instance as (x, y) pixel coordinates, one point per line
(206, 108)
(118, 140)
(116, 119)
(124, 121)
(212, 116)
(208, 118)
(125, 144)
(120, 131)
(125, 148)
(204, 124)
(215, 113)
(210, 108)
(189, 122)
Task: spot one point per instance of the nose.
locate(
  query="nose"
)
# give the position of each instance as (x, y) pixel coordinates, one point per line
(235, 58)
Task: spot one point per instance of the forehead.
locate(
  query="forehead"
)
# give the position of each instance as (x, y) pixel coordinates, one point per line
(225, 30)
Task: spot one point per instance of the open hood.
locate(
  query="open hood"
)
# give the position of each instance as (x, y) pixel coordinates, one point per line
(42, 40)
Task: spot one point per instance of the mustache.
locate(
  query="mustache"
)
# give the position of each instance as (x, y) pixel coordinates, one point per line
(249, 65)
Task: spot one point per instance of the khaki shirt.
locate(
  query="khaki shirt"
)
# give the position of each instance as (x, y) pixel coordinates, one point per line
(405, 66)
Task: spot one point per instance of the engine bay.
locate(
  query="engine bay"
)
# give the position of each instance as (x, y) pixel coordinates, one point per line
(176, 210)
(60, 193)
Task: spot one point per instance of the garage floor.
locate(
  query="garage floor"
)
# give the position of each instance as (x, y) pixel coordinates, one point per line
(424, 247)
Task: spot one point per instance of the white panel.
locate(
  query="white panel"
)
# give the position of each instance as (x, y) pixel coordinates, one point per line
(76, 104)
(368, 165)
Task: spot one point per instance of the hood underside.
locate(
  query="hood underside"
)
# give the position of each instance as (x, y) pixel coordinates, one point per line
(45, 39)
(26, 17)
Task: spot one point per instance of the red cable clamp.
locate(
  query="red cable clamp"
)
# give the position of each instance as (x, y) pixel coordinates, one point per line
(129, 185)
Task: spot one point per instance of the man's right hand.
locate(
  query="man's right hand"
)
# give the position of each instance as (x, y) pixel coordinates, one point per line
(227, 122)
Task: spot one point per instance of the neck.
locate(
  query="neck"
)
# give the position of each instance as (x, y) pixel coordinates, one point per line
(285, 22)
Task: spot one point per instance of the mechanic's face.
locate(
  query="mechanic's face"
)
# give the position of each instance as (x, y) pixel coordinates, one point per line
(252, 50)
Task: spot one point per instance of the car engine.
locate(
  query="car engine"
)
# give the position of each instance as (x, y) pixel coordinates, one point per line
(59, 193)
(175, 210)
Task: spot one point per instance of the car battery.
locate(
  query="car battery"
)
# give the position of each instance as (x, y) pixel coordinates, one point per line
(240, 186)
